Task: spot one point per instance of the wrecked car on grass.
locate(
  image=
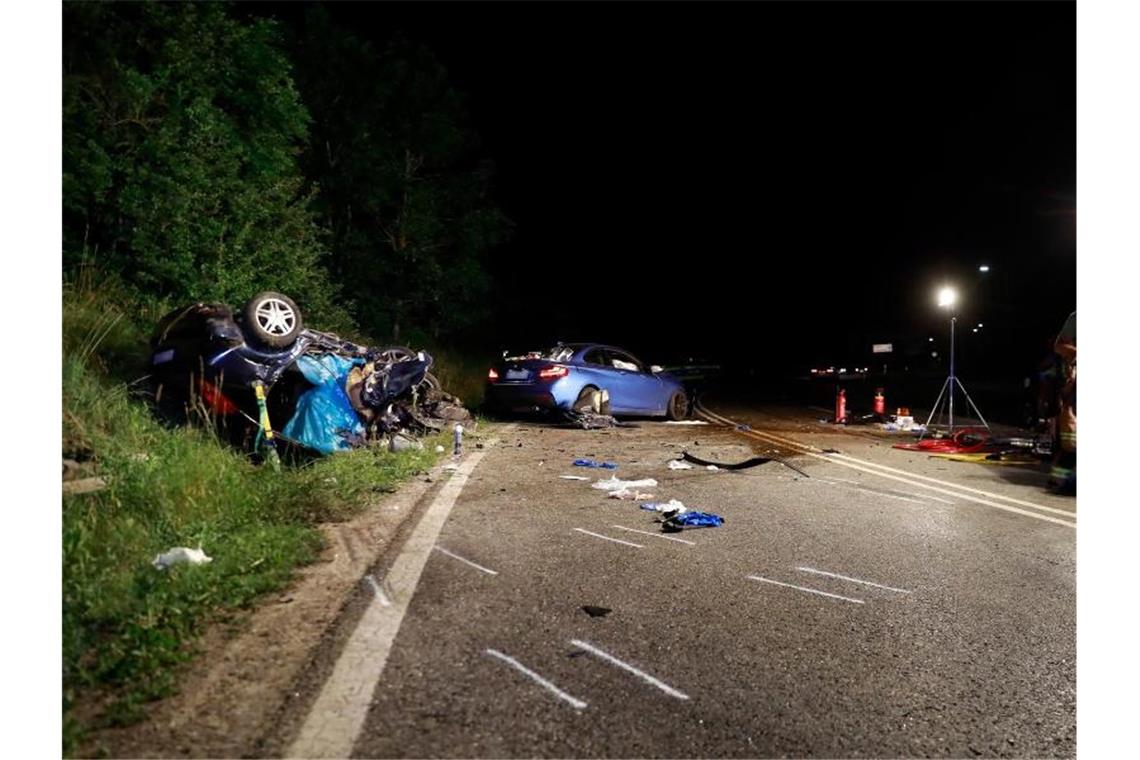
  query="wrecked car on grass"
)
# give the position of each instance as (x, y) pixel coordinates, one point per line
(585, 376)
(261, 366)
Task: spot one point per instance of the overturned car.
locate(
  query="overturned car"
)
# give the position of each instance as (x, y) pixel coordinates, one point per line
(261, 366)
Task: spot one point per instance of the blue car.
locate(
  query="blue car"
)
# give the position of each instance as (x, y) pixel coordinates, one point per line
(585, 376)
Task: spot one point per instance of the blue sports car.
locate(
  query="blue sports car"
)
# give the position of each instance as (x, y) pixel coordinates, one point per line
(585, 376)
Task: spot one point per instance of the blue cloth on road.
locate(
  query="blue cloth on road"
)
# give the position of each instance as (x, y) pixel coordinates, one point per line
(697, 520)
(592, 463)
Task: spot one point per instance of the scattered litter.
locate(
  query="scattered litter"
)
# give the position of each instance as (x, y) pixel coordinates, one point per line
(626, 493)
(677, 464)
(588, 420)
(592, 463)
(616, 484)
(997, 457)
(179, 555)
(831, 451)
(83, 485)
(686, 422)
(400, 442)
(450, 467)
(664, 506)
(439, 449)
(458, 431)
(593, 611)
(754, 461)
(743, 426)
(691, 520)
(573, 477)
(712, 467)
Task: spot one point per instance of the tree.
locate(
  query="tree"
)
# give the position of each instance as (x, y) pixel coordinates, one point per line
(403, 189)
(182, 130)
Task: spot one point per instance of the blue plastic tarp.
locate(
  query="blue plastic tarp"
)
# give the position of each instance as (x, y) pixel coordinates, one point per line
(324, 419)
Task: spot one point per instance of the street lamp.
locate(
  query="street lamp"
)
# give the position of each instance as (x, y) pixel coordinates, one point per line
(947, 298)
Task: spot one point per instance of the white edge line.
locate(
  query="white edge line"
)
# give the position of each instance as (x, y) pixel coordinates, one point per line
(853, 580)
(627, 667)
(574, 701)
(803, 588)
(810, 451)
(615, 540)
(656, 535)
(469, 562)
(380, 595)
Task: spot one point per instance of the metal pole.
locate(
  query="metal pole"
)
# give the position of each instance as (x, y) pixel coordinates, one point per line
(951, 380)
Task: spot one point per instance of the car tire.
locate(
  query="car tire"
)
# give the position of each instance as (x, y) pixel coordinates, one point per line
(678, 406)
(396, 354)
(586, 401)
(273, 319)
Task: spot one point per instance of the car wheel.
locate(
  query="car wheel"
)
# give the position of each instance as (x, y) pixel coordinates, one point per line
(273, 319)
(396, 354)
(591, 399)
(678, 406)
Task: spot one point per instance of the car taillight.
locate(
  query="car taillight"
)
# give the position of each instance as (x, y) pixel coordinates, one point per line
(553, 372)
(492, 375)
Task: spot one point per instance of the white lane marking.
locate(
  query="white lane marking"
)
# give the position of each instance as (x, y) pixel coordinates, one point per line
(803, 588)
(900, 493)
(853, 580)
(832, 457)
(656, 535)
(630, 669)
(866, 490)
(574, 701)
(615, 540)
(835, 459)
(337, 716)
(380, 595)
(469, 562)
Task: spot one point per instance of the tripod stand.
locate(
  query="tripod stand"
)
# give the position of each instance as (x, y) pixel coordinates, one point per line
(948, 391)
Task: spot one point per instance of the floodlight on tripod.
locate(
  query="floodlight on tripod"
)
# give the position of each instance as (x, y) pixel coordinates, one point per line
(947, 298)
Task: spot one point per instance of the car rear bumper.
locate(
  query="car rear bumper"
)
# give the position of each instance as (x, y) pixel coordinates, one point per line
(520, 398)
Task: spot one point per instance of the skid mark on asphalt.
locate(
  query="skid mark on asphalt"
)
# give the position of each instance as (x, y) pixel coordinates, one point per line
(607, 538)
(851, 580)
(607, 657)
(803, 588)
(488, 571)
(574, 702)
(656, 535)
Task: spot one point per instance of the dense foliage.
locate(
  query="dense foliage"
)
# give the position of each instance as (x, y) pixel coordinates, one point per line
(206, 158)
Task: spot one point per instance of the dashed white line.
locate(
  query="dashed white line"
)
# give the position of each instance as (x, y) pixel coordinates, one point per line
(803, 588)
(656, 535)
(853, 580)
(380, 595)
(573, 701)
(630, 669)
(469, 562)
(615, 540)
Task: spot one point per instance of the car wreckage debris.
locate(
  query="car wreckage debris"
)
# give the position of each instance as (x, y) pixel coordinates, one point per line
(747, 463)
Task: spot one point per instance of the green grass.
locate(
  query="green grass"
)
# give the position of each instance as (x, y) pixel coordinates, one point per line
(128, 627)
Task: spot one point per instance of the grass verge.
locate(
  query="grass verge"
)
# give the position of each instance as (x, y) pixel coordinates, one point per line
(128, 627)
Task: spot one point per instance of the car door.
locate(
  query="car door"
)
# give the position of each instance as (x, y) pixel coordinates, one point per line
(640, 390)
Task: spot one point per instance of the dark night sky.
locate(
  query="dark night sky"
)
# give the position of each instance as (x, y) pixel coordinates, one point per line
(790, 180)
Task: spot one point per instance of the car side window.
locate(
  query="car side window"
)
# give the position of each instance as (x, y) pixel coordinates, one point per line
(595, 356)
(624, 362)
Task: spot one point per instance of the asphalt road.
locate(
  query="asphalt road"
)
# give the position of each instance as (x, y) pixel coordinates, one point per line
(951, 632)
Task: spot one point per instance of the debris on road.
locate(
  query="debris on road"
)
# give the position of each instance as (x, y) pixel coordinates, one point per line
(617, 484)
(753, 462)
(964, 441)
(631, 495)
(592, 463)
(685, 422)
(573, 477)
(673, 505)
(593, 611)
(679, 464)
(181, 555)
(688, 519)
